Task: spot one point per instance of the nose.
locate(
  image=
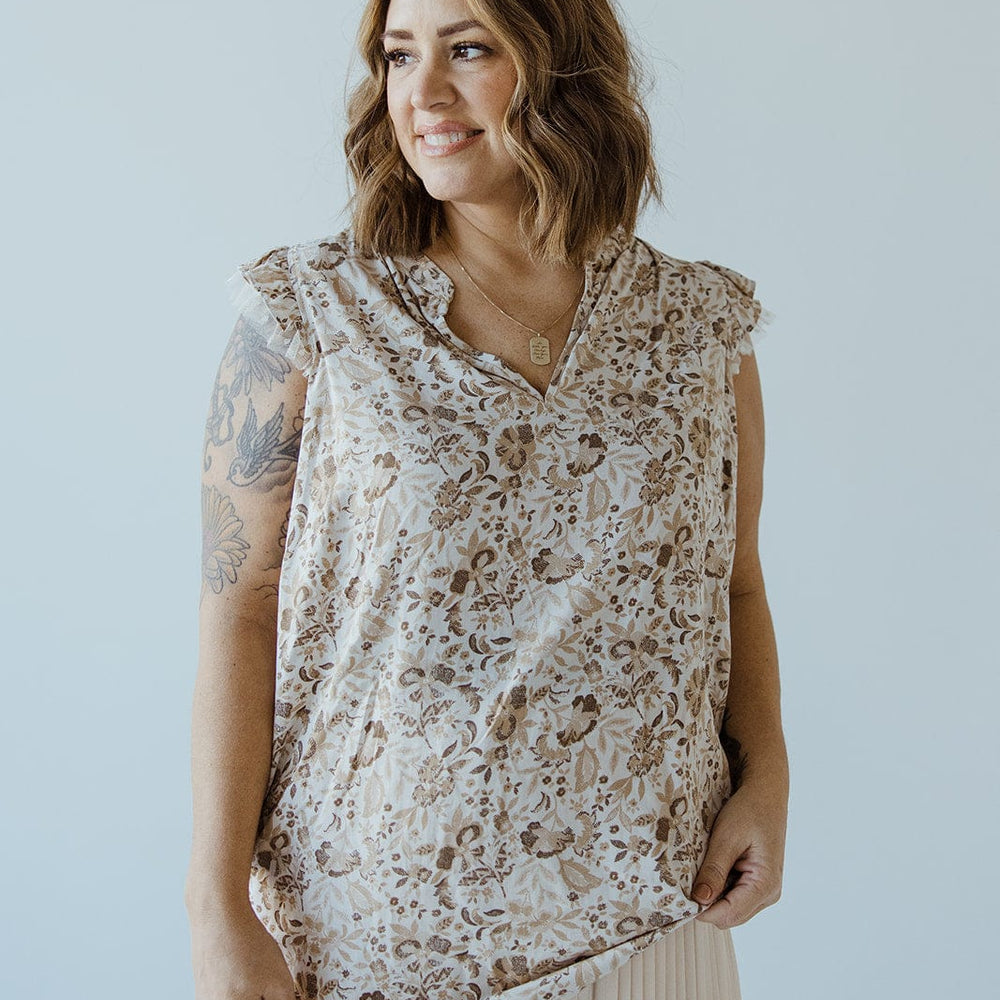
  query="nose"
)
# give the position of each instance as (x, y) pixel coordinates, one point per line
(431, 85)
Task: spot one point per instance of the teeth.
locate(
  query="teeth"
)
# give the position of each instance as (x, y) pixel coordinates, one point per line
(445, 138)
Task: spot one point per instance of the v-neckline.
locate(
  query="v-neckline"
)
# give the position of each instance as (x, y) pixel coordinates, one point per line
(438, 289)
(487, 361)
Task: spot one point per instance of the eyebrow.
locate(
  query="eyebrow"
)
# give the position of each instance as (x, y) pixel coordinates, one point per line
(448, 29)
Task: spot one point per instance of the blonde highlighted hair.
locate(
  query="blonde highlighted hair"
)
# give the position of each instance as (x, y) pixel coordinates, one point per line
(575, 126)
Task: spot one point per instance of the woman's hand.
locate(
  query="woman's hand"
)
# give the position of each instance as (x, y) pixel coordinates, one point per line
(748, 841)
(235, 958)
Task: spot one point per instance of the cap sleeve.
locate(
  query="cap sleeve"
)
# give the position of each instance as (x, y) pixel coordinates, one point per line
(742, 320)
(263, 294)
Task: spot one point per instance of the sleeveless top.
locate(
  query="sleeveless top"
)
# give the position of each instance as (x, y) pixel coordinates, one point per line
(503, 639)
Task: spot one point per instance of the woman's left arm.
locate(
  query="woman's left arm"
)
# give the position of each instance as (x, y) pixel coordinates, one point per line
(747, 843)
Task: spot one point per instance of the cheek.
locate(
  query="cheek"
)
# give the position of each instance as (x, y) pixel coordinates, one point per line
(500, 94)
(396, 105)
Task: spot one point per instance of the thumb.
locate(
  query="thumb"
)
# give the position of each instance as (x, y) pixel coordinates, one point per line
(711, 880)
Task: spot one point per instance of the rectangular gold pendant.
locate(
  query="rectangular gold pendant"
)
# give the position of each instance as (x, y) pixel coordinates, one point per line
(538, 348)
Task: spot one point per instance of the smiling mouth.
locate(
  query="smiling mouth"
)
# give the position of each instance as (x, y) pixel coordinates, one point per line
(439, 140)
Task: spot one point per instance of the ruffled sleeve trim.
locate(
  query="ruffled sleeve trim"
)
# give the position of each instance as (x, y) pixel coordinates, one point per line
(263, 295)
(746, 320)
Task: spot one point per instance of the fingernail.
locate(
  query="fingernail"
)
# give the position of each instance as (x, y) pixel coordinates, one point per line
(702, 892)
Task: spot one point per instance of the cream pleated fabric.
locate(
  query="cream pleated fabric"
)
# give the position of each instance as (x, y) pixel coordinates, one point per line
(695, 962)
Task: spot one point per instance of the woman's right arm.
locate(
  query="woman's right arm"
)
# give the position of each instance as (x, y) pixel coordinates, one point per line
(251, 451)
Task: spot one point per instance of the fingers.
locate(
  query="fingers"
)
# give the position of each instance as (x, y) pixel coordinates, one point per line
(740, 875)
(753, 890)
(712, 876)
(734, 906)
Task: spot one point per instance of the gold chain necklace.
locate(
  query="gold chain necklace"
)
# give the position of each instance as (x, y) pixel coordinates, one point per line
(539, 348)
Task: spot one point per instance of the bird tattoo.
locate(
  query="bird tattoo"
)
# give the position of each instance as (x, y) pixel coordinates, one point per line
(261, 450)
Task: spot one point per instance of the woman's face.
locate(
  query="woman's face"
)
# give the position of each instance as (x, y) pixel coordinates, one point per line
(449, 84)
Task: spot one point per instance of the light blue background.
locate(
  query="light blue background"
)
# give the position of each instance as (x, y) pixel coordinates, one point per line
(843, 155)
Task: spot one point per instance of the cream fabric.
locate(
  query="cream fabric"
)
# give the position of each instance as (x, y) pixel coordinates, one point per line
(503, 647)
(695, 961)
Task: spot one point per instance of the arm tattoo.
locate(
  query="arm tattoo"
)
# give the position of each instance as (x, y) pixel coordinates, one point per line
(734, 752)
(223, 547)
(260, 450)
(271, 589)
(219, 428)
(249, 360)
(253, 360)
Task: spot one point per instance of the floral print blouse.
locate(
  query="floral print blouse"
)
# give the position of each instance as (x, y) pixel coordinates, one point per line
(503, 644)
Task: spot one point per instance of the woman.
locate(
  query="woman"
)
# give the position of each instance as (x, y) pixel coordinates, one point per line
(470, 478)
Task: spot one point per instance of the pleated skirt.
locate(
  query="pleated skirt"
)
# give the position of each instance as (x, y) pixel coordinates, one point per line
(697, 961)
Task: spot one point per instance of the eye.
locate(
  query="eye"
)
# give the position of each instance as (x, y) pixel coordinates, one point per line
(395, 57)
(464, 48)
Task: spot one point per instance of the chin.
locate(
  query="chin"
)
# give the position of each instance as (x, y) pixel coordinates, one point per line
(442, 190)
(470, 191)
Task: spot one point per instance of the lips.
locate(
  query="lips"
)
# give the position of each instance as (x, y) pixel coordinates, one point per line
(448, 138)
(447, 126)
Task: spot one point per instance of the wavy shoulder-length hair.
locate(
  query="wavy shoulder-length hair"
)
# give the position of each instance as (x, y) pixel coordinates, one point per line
(575, 126)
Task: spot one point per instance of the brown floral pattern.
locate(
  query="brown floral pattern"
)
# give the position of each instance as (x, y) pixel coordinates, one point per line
(503, 628)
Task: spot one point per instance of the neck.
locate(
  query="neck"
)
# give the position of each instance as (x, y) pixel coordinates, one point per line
(486, 237)
(480, 231)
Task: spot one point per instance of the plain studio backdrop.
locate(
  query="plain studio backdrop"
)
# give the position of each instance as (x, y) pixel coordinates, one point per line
(843, 155)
